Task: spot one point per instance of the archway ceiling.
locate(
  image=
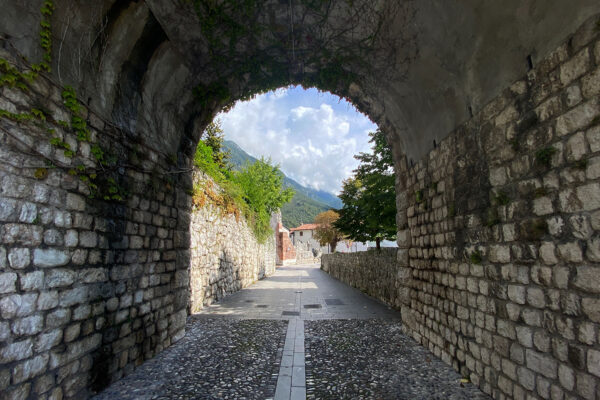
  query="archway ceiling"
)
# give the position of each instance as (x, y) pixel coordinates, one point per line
(451, 55)
(433, 59)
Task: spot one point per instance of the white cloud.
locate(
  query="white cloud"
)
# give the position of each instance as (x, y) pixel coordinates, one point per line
(313, 136)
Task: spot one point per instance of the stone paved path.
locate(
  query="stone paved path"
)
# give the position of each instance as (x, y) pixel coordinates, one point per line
(337, 344)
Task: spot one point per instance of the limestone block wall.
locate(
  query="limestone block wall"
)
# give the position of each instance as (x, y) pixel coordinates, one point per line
(498, 270)
(225, 256)
(372, 272)
(88, 288)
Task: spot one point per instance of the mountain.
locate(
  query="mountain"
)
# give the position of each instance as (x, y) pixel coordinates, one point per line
(306, 203)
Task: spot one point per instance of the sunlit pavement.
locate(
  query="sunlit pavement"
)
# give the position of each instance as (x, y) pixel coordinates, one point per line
(299, 292)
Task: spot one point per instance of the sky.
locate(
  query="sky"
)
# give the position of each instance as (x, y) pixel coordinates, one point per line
(312, 135)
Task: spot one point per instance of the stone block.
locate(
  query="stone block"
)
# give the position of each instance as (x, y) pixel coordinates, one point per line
(47, 300)
(566, 377)
(587, 279)
(48, 340)
(590, 84)
(535, 297)
(75, 202)
(578, 118)
(18, 305)
(526, 378)
(7, 282)
(71, 238)
(575, 67)
(52, 237)
(532, 317)
(586, 386)
(593, 362)
(58, 277)
(8, 210)
(498, 176)
(30, 369)
(570, 252)
(593, 138)
(592, 171)
(72, 332)
(93, 275)
(88, 239)
(573, 95)
(58, 318)
(73, 296)
(543, 206)
(19, 258)
(16, 351)
(586, 334)
(32, 281)
(62, 219)
(543, 387)
(499, 253)
(25, 235)
(19, 392)
(44, 383)
(28, 326)
(541, 363)
(50, 257)
(517, 293)
(28, 213)
(593, 249)
(580, 226)
(576, 147)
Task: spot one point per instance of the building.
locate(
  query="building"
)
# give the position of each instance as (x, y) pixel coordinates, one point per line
(286, 253)
(304, 234)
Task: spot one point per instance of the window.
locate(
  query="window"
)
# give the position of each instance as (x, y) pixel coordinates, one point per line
(301, 233)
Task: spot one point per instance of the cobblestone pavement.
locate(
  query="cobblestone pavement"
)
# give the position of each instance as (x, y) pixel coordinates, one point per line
(217, 359)
(340, 344)
(373, 359)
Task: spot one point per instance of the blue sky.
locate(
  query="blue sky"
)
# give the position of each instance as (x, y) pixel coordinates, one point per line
(313, 136)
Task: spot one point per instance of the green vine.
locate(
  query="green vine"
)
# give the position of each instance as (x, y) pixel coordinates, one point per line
(475, 257)
(544, 156)
(78, 124)
(256, 54)
(10, 76)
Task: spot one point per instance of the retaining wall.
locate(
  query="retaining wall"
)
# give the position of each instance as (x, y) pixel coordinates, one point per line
(225, 256)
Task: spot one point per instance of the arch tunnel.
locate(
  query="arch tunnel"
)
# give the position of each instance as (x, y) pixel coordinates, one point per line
(491, 111)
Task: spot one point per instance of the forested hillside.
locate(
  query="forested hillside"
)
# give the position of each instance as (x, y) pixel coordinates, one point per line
(306, 203)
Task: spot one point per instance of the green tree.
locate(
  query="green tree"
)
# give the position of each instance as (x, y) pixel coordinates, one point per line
(262, 190)
(369, 197)
(326, 232)
(213, 137)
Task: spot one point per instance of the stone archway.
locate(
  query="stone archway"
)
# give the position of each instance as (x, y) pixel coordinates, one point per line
(103, 284)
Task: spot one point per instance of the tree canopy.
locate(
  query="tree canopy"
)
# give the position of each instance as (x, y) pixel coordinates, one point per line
(326, 232)
(213, 137)
(262, 189)
(369, 196)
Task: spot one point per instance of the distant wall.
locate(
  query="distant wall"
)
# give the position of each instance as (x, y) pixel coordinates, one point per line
(372, 272)
(225, 255)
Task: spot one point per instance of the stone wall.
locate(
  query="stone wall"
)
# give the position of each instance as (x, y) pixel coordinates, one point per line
(225, 255)
(372, 272)
(499, 232)
(88, 288)
(307, 254)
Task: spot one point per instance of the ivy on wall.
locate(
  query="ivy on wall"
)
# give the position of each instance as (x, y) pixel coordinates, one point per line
(250, 53)
(99, 184)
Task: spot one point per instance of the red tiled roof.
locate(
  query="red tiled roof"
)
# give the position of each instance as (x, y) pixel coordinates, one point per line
(305, 227)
